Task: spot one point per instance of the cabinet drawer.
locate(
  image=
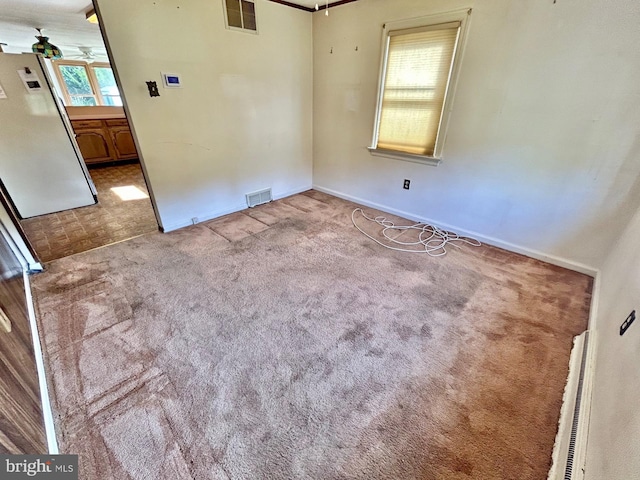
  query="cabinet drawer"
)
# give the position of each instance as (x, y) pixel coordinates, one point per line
(117, 122)
(86, 124)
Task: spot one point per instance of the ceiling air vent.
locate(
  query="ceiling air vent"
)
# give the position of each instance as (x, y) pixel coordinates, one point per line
(258, 198)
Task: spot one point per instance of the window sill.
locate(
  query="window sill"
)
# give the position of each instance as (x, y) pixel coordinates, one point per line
(407, 157)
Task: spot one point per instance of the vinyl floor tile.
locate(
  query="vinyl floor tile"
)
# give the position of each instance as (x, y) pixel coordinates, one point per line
(111, 220)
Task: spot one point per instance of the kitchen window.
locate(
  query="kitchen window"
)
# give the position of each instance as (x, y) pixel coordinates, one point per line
(419, 66)
(87, 84)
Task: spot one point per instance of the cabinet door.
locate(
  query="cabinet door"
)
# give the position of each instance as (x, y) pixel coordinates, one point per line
(123, 143)
(94, 145)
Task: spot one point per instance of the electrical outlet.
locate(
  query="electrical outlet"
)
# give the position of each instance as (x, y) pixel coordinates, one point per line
(195, 220)
(406, 184)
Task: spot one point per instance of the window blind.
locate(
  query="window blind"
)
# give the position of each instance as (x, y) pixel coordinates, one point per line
(417, 74)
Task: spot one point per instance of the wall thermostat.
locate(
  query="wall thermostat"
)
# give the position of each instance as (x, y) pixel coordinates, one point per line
(171, 80)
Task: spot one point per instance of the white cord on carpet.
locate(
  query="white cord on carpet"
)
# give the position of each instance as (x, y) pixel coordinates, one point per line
(432, 240)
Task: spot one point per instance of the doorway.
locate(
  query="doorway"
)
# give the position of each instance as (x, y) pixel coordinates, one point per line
(123, 211)
(91, 113)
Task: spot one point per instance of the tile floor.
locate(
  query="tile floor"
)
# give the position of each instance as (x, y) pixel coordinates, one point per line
(111, 220)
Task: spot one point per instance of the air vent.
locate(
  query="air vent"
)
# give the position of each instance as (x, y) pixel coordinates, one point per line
(241, 15)
(258, 198)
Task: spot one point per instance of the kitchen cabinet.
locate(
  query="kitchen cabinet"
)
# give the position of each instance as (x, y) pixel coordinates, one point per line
(122, 139)
(104, 140)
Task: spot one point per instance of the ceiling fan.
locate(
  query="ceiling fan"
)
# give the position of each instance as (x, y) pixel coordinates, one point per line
(86, 54)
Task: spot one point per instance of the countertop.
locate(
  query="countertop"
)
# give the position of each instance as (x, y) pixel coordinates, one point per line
(95, 113)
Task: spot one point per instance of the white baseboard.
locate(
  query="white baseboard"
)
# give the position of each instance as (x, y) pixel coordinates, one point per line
(47, 413)
(560, 455)
(231, 209)
(552, 259)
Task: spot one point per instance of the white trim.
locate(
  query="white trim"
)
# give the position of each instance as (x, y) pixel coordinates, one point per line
(407, 157)
(232, 209)
(565, 422)
(47, 413)
(552, 259)
(463, 16)
(582, 438)
(21, 251)
(558, 466)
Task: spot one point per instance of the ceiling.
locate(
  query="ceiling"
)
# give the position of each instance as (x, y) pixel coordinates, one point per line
(309, 3)
(64, 22)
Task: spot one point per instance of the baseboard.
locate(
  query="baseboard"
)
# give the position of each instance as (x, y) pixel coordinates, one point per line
(231, 209)
(47, 413)
(552, 259)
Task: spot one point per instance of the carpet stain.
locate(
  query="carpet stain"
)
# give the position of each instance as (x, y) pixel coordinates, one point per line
(277, 343)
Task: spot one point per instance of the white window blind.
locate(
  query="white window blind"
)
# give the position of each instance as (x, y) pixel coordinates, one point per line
(418, 69)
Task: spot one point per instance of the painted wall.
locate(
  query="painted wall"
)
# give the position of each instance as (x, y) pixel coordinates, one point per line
(542, 146)
(13, 238)
(614, 430)
(243, 120)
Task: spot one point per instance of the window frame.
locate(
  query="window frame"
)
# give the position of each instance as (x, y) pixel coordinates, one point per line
(462, 16)
(241, 29)
(91, 75)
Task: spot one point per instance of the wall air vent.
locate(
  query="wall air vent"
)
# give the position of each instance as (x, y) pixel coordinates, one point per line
(241, 15)
(258, 198)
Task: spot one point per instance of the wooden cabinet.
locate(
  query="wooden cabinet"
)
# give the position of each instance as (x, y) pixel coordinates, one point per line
(94, 145)
(104, 140)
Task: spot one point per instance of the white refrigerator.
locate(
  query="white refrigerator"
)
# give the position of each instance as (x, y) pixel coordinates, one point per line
(41, 168)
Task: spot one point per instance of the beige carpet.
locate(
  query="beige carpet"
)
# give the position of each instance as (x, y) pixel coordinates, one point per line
(280, 343)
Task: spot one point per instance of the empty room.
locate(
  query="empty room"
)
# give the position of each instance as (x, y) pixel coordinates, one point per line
(396, 240)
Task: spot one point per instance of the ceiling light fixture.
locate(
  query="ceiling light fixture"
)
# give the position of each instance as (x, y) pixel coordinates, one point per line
(48, 50)
(91, 16)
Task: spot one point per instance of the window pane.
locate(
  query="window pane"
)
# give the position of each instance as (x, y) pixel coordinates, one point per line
(249, 15)
(105, 78)
(108, 87)
(76, 79)
(83, 101)
(418, 68)
(233, 13)
(112, 100)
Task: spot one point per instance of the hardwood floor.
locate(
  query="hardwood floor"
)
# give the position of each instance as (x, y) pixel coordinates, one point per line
(112, 220)
(21, 425)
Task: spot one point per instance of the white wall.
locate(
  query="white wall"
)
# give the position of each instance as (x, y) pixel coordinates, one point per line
(243, 120)
(15, 241)
(542, 146)
(614, 430)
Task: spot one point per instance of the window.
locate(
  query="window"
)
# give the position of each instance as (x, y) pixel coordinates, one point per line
(241, 14)
(76, 81)
(419, 65)
(87, 84)
(107, 86)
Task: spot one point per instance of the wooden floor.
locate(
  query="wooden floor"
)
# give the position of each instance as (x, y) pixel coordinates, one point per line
(21, 426)
(112, 220)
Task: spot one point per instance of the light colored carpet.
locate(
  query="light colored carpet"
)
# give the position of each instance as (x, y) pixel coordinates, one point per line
(280, 343)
